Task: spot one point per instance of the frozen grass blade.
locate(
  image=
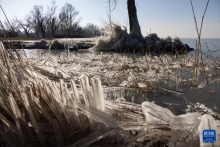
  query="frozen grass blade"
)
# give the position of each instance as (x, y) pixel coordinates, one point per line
(98, 94)
(17, 115)
(88, 97)
(7, 123)
(75, 92)
(33, 120)
(58, 134)
(94, 137)
(98, 115)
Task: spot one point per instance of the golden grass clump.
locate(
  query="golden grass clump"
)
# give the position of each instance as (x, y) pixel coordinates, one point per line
(39, 110)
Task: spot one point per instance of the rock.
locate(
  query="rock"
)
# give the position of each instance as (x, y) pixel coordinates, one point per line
(156, 114)
(178, 41)
(168, 39)
(167, 45)
(29, 45)
(83, 45)
(42, 44)
(57, 45)
(139, 45)
(154, 37)
(120, 41)
(12, 44)
(132, 42)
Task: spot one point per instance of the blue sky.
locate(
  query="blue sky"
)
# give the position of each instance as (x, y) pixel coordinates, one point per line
(164, 17)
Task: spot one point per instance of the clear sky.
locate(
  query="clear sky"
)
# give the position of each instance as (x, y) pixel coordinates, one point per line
(164, 17)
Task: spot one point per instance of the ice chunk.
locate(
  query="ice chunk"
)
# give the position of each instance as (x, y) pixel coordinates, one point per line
(142, 85)
(124, 83)
(184, 130)
(190, 119)
(156, 114)
(98, 94)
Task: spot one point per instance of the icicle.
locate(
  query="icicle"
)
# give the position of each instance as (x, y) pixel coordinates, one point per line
(62, 87)
(88, 97)
(98, 94)
(156, 114)
(75, 92)
(98, 115)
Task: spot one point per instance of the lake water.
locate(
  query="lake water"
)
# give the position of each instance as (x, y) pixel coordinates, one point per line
(209, 45)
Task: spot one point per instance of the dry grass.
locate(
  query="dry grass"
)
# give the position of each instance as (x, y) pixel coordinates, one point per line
(44, 103)
(60, 101)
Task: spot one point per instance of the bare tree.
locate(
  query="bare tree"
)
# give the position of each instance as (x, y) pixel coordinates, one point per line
(27, 25)
(52, 23)
(135, 29)
(55, 24)
(92, 30)
(68, 14)
(12, 26)
(75, 26)
(42, 19)
(39, 19)
(11, 29)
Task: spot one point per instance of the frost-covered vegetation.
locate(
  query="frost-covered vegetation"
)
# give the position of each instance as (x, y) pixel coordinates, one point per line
(118, 39)
(62, 100)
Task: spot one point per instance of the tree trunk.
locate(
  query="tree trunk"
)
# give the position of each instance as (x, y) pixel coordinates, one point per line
(25, 30)
(27, 33)
(135, 29)
(42, 29)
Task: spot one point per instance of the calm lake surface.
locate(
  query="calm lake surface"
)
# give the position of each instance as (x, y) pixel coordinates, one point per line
(177, 103)
(209, 45)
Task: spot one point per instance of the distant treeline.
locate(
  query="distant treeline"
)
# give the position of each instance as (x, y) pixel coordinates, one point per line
(41, 23)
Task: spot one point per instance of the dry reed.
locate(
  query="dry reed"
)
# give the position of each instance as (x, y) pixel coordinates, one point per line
(37, 109)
